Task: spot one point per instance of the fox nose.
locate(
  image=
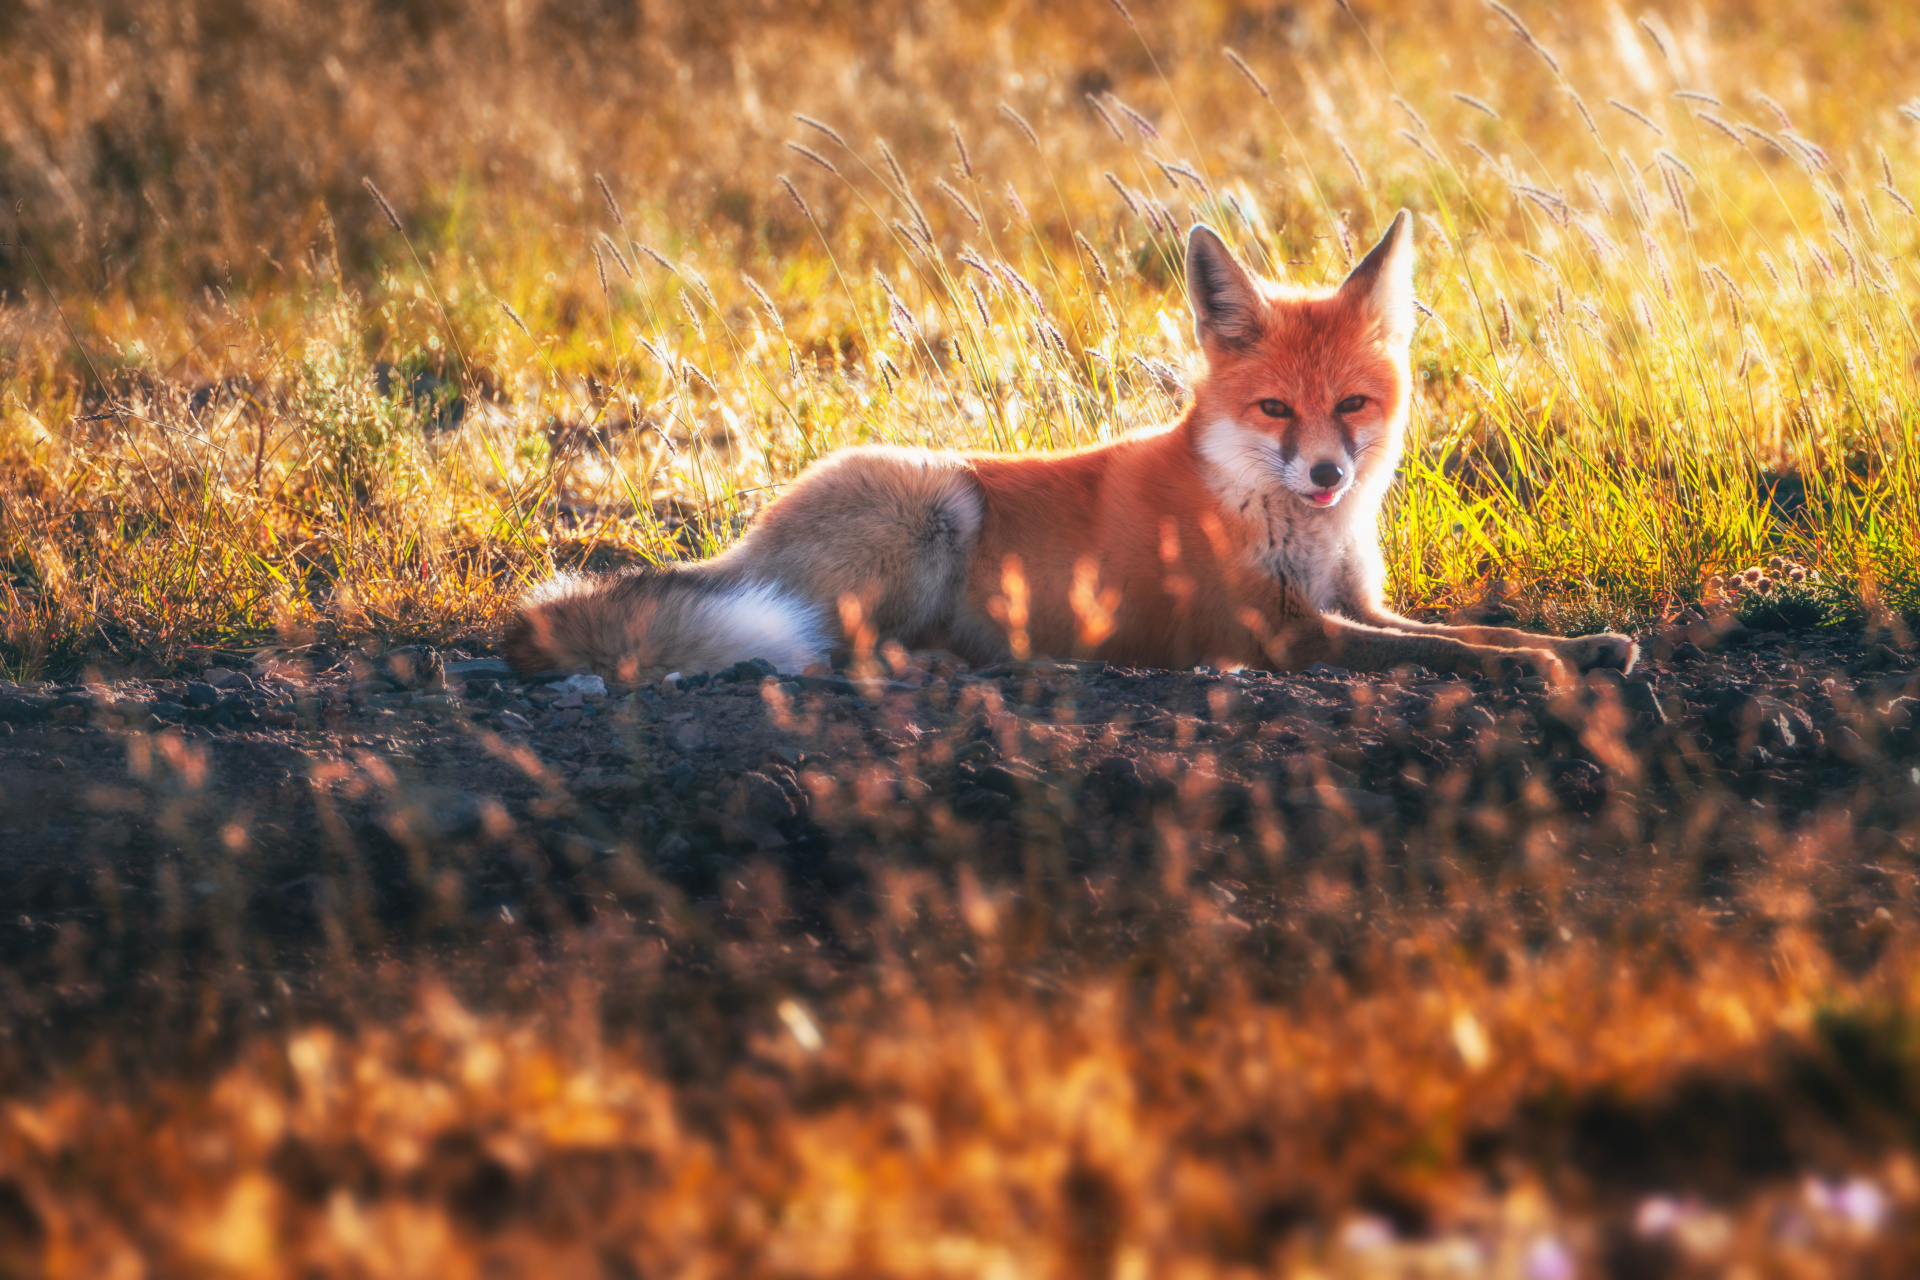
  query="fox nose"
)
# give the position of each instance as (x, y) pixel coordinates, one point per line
(1326, 474)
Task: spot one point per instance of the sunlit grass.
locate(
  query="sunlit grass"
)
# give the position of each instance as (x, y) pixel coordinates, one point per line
(1650, 294)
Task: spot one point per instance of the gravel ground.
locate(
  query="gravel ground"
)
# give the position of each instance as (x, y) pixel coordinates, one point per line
(416, 782)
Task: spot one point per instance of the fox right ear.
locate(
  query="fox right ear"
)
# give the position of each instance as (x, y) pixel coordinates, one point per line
(1382, 284)
(1225, 300)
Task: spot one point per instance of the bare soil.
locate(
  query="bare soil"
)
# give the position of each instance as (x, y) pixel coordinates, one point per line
(434, 791)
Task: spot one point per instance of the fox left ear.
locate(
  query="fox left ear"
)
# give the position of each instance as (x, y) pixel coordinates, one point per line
(1225, 300)
(1382, 285)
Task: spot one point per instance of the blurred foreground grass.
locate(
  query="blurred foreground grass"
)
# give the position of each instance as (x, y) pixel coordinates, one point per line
(1667, 266)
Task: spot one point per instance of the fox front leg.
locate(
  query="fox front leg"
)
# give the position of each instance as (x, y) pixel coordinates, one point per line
(1359, 646)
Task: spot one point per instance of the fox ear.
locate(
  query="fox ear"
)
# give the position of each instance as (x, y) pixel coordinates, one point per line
(1225, 300)
(1382, 285)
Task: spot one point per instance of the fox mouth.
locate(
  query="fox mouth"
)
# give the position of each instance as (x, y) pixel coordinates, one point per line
(1323, 498)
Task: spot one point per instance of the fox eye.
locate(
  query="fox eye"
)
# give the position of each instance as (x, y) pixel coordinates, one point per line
(1352, 404)
(1276, 408)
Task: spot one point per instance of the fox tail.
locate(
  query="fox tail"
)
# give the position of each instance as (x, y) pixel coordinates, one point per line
(647, 622)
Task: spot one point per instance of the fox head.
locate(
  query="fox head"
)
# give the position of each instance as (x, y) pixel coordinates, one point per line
(1306, 390)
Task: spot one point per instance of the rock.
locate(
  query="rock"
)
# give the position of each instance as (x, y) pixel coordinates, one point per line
(1117, 778)
(25, 708)
(558, 675)
(479, 669)
(415, 666)
(1472, 719)
(977, 804)
(1845, 744)
(1007, 778)
(1636, 697)
(432, 815)
(1643, 703)
(687, 736)
(1579, 785)
(201, 694)
(1657, 647)
(760, 797)
(1775, 723)
(512, 722)
(581, 686)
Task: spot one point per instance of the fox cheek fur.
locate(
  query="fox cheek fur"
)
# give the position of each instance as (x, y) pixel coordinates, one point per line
(1243, 535)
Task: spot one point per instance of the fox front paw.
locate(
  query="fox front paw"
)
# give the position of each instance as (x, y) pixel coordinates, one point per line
(1497, 664)
(1603, 649)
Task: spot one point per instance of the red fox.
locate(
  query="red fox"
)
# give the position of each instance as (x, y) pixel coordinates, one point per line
(1243, 535)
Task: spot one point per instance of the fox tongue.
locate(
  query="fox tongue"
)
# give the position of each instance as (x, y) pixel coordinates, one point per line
(1322, 499)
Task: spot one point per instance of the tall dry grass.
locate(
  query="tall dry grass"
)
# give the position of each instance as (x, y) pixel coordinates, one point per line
(653, 261)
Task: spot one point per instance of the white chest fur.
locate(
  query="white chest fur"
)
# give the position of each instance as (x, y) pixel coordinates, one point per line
(1329, 556)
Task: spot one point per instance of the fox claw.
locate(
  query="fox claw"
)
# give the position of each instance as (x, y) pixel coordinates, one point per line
(1531, 662)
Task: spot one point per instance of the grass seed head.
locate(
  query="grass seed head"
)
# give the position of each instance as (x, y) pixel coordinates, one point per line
(1720, 126)
(1353, 165)
(972, 215)
(1019, 122)
(1477, 105)
(814, 156)
(1525, 35)
(380, 199)
(960, 149)
(799, 201)
(613, 206)
(1247, 71)
(823, 128)
(1637, 114)
(1093, 256)
(1659, 41)
(1779, 112)
(1140, 123)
